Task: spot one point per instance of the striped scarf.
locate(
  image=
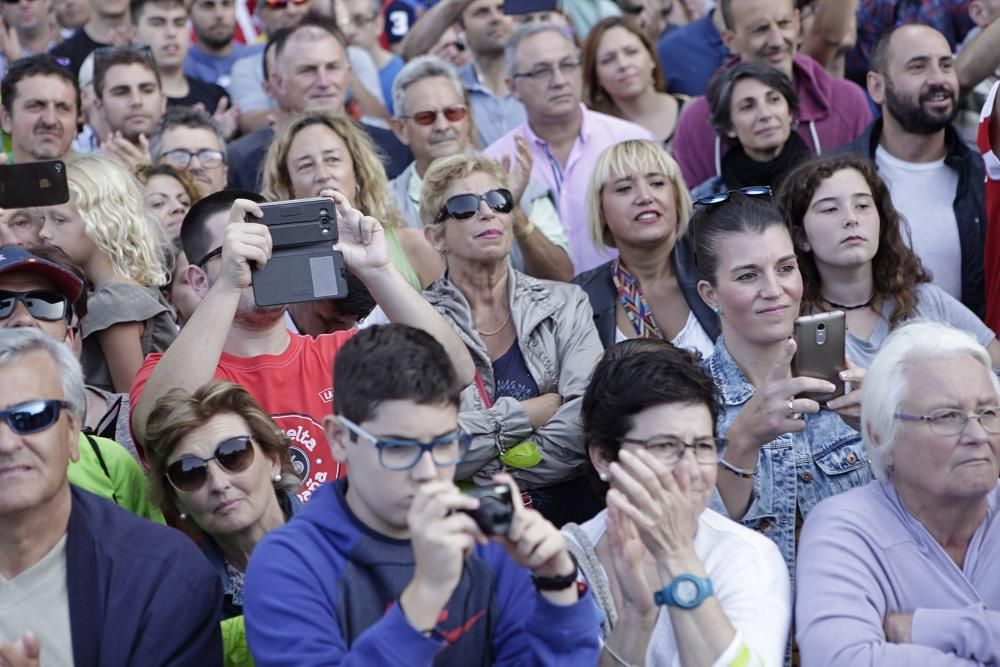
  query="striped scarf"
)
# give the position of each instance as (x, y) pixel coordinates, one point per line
(630, 294)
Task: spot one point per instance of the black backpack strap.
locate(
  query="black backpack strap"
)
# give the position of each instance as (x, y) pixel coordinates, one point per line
(104, 466)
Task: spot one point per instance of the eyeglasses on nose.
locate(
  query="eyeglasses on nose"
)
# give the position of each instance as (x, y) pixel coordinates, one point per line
(464, 206)
(671, 450)
(952, 422)
(189, 473)
(452, 114)
(41, 304)
(546, 72)
(180, 157)
(399, 454)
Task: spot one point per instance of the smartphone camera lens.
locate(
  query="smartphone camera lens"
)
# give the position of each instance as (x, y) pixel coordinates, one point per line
(821, 326)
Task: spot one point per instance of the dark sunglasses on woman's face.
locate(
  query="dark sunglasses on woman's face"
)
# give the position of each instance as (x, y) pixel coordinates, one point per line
(451, 114)
(189, 473)
(33, 416)
(463, 207)
(41, 304)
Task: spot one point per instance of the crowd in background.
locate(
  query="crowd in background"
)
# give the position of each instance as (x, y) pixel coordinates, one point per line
(576, 235)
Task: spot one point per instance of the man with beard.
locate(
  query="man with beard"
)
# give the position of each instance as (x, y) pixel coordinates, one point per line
(40, 105)
(214, 51)
(229, 337)
(487, 30)
(431, 118)
(128, 91)
(936, 182)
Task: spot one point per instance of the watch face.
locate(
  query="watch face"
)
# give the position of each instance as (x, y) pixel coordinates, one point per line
(686, 591)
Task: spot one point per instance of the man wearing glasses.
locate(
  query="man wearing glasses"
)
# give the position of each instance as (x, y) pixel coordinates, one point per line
(564, 137)
(187, 138)
(82, 581)
(39, 293)
(390, 567)
(433, 120)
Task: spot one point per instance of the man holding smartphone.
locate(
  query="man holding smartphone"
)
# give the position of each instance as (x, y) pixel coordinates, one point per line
(229, 337)
(389, 567)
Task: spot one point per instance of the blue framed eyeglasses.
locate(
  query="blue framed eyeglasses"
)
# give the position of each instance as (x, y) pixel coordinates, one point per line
(404, 453)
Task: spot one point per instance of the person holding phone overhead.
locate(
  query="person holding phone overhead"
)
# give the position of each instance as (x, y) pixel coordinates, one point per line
(784, 453)
(854, 256)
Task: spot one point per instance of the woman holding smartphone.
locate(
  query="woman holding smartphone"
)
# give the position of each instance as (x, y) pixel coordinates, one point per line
(784, 453)
(849, 241)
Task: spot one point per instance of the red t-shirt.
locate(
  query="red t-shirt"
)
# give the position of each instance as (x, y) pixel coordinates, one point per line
(991, 253)
(296, 389)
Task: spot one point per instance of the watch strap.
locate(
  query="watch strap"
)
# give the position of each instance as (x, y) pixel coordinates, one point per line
(665, 596)
(557, 583)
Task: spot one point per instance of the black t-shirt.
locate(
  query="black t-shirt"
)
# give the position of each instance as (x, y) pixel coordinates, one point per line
(199, 92)
(76, 49)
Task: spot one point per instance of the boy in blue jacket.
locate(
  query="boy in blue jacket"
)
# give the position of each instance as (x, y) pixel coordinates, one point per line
(387, 567)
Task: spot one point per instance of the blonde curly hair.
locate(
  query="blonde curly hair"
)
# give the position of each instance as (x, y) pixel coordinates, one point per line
(111, 203)
(372, 197)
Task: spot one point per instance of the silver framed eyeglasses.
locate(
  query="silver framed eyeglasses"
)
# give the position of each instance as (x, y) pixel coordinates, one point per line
(671, 450)
(181, 157)
(948, 421)
(404, 453)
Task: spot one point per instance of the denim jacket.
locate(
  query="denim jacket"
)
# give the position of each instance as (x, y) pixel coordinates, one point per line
(795, 470)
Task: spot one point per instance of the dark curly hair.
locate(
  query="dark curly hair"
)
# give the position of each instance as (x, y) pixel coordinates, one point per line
(896, 270)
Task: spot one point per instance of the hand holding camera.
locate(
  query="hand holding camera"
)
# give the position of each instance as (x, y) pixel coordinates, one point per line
(362, 238)
(245, 245)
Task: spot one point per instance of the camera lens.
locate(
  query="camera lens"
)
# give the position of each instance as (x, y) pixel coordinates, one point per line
(324, 221)
(821, 327)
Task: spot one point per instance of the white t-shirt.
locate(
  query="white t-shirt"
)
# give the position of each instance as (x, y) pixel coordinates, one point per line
(924, 193)
(749, 579)
(38, 600)
(691, 337)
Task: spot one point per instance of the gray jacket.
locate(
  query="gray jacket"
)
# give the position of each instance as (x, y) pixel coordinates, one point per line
(556, 334)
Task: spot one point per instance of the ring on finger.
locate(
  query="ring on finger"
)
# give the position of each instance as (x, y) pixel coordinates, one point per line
(791, 406)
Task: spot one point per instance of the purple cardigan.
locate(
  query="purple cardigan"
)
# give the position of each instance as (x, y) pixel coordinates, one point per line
(863, 556)
(832, 112)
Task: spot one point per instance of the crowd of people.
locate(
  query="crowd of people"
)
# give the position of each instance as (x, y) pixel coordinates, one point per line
(576, 238)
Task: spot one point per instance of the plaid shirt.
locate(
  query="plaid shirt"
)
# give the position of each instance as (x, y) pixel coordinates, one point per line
(949, 17)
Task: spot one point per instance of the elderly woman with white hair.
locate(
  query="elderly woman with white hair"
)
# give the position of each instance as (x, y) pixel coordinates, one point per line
(904, 570)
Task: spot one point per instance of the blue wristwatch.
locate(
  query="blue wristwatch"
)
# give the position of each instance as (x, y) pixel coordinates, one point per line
(685, 591)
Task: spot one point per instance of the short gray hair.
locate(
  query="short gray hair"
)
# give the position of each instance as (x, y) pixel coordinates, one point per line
(418, 69)
(530, 30)
(196, 119)
(887, 381)
(18, 342)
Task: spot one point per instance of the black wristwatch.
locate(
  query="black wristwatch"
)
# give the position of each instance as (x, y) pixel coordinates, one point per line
(557, 583)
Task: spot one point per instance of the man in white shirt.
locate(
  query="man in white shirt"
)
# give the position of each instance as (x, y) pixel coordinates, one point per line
(936, 182)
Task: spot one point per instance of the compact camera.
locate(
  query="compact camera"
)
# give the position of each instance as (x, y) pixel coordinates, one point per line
(496, 508)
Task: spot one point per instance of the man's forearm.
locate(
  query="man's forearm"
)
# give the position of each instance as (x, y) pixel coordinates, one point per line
(980, 58)
(404, 305)
(426, 32)
(193, 357)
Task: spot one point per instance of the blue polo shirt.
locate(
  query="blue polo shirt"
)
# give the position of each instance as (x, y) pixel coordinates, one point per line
(494, 116)
(690, 55)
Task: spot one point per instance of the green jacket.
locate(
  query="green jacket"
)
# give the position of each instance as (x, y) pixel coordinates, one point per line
(106, 469)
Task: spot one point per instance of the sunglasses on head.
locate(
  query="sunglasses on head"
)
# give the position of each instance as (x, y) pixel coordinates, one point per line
(189, 473)
(752, 191)
(33, 416)
(281, 4)
(463, 207)
(41, 304)
(452, 114)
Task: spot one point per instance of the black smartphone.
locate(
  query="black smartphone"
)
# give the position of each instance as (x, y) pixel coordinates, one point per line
(819, 351)
(33, 184)
(303, 265)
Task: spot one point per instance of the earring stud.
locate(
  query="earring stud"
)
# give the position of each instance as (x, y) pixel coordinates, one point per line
(277, 477)
(603, 476)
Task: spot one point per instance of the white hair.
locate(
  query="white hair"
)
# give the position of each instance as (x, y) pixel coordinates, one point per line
(887, 381)
(530, 30)
(418, 69)
(18, 342)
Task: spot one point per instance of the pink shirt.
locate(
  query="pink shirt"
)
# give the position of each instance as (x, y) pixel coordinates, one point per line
(570, 184)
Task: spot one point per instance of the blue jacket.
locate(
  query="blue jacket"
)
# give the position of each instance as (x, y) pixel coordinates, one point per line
(322, 590)
(969, 206)
(795, 470)
(691, 54)
(600, 289)
(139, 593)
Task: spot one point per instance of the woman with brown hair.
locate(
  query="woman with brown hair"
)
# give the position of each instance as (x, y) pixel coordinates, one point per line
(852, 252)
(622, 77)
(319, 150)
(170, 194)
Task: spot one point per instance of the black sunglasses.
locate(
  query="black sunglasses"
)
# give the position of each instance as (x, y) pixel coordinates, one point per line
(204, 260)
(463, 207)
(189, 473)
(41, 304)
(33, 416)
(752, 191)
